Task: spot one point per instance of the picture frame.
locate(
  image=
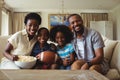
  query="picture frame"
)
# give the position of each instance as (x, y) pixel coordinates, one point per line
(57, 19)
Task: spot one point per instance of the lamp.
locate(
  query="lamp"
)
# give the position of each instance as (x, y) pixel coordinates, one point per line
(61, 6)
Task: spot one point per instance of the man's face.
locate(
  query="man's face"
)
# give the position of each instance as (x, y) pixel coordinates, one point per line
(76, 23)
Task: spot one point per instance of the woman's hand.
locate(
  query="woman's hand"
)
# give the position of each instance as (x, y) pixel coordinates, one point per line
(15, 58)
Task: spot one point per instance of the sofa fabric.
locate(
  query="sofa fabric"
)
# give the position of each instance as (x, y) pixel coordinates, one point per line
(111, 53)
(115, 61)
(109, 48)
(3, 42)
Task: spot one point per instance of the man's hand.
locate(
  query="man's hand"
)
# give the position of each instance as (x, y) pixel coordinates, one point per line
(85, 66)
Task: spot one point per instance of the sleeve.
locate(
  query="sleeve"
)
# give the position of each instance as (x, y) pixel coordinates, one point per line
(14, 39)
(97, 40)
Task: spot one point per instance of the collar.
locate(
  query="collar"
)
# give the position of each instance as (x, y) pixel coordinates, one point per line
(24, 32)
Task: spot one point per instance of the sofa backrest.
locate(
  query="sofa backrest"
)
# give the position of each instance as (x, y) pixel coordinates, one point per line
(115, 61)
(109, 48)
(3, 42)
(112, 52)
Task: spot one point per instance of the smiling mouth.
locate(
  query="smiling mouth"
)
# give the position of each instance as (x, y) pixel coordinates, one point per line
(77, 28)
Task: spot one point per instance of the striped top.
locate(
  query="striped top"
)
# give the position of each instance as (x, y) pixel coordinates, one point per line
(65, 51)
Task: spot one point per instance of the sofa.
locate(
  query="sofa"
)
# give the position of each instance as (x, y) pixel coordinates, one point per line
(111, 53)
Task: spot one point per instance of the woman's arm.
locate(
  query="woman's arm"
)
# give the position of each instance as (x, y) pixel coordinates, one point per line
(7, 54)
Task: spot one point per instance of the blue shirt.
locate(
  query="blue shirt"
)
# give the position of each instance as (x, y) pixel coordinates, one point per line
(65, 51)
(36, 49)
(92, 40)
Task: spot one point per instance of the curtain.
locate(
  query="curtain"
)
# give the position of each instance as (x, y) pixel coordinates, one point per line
(87, 17)
(10, 14)
(5, 22)
(18, 21)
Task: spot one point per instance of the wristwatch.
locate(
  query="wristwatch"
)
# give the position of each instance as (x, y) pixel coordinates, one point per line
(89, 63)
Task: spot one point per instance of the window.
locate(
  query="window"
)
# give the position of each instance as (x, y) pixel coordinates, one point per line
(4, 28)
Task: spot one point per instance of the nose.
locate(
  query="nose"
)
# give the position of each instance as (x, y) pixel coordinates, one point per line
(59, 39)
(75, 23)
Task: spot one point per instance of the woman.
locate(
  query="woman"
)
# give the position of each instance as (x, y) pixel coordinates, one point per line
(22, 42)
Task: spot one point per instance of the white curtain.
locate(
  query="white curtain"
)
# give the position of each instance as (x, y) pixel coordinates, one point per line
(87, 17)
(5, 22)
(18, 21)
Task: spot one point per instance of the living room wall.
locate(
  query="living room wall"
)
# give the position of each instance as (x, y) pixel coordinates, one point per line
(45, 14)
(114, 16)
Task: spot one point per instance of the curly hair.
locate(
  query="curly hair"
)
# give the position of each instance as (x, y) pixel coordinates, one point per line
(61, 28)
(32, 16)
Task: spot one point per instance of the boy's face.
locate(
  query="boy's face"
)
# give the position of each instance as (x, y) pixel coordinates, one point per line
(43, 36)
(32, 27)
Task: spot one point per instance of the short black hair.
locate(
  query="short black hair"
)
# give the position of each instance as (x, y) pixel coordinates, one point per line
(40, 29)
(73, 15)
(61, 28)
(32, 16)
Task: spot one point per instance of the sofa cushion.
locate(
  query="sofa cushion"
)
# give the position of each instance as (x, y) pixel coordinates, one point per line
(3, 42)
(115, 61)
(103, 37)
(113, 74)
(109, 48)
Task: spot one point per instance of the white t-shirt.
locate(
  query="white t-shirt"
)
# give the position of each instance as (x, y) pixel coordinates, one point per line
(21, 43)
(21, 46)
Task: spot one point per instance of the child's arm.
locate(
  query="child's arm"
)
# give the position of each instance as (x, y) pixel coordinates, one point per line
(72, 57)
(38, 56)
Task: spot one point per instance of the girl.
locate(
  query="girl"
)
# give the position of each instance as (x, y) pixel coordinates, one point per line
(62, 35)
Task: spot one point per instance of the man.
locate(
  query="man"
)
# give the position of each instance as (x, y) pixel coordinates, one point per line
(88, 45)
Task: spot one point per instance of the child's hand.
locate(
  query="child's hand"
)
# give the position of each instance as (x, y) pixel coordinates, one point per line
(38, 56)
(66, 62)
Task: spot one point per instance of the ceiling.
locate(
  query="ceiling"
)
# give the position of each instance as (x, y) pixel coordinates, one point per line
(57, 4)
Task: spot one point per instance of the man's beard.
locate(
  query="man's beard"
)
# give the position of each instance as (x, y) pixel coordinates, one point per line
(81, 30)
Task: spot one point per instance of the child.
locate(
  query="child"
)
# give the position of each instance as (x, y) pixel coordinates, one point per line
(62, 35)
(40, 46)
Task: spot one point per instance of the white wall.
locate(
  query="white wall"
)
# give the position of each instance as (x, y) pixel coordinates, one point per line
(114, 16)
(45, 14)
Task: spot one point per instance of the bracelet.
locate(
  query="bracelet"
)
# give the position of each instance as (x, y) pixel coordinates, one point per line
(89, 63)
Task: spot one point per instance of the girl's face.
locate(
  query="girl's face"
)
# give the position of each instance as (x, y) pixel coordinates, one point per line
(32, 27)
(43, 36)
(60, 39)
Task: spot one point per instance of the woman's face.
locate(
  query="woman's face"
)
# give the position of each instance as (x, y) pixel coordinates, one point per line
(60, 39)
(32, 27)
(43, 36)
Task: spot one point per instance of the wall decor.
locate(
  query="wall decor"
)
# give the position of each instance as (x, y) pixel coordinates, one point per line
(57, 19)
